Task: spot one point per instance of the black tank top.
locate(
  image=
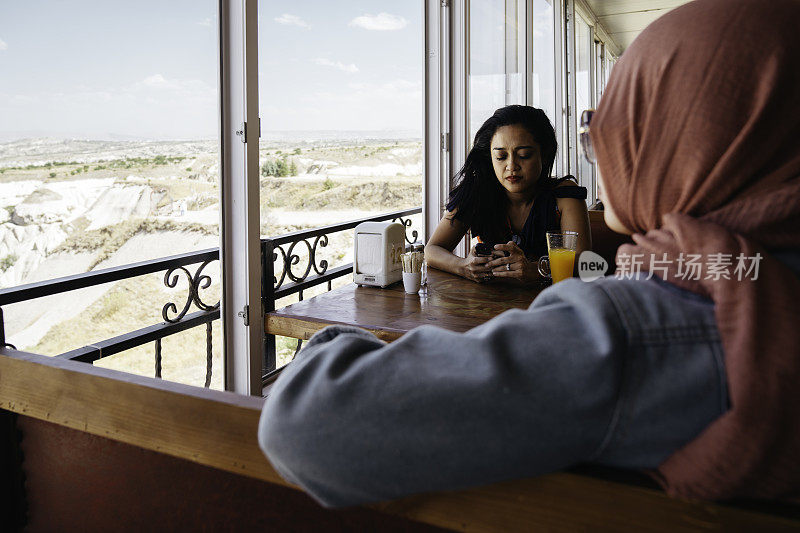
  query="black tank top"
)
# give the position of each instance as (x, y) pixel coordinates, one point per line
(545, 216)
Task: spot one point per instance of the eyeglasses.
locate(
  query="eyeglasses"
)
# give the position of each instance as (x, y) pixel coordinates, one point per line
(583, 133)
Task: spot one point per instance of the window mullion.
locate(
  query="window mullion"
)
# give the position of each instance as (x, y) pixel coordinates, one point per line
(242, 314)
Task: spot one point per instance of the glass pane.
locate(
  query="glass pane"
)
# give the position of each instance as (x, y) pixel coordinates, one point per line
(599, 70)
(544, 72)
(109, 155)
(583, 93)
(495, 57)
(341, 106)
(609, 61)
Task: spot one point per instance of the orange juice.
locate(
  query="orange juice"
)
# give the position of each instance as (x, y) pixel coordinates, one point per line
(562, 262)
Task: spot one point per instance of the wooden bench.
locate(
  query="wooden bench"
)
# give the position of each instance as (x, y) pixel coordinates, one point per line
(105, 450)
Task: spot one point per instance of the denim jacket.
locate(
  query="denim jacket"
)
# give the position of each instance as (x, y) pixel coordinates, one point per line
(613, 372)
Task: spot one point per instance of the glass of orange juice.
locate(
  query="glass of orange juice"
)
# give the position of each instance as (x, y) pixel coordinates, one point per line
(559, 262)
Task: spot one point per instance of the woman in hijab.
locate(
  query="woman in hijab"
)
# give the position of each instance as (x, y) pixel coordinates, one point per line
(698, 146)
(686, 367)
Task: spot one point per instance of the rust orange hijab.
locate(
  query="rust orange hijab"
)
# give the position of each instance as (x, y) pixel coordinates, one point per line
(698, 141)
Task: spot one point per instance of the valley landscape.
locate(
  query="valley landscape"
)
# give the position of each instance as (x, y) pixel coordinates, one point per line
(72, 206)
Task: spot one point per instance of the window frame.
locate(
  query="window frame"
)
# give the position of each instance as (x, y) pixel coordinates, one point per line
(435, 112)
(242, 312)
(580, 11)
(455, 101)
(557, 69)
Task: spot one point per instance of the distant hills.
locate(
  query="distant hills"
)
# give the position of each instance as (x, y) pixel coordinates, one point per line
(292, 135)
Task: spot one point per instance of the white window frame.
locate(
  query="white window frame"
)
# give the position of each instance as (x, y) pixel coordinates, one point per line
(242, 313)
(240, 243)
(599, 69)
(436, 115)
(520, 39)
(609, 60)
(454, 132)
(575, 9)
(570, 87)
(561, 163)
(458, 96)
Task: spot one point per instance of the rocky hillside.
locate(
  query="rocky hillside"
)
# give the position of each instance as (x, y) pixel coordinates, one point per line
(74, 206)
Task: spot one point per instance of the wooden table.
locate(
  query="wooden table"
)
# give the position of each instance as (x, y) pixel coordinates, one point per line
(453, 303)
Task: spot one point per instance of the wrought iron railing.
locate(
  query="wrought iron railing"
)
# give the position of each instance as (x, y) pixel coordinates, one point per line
(179, 321)
(284, 281)
(282, 250)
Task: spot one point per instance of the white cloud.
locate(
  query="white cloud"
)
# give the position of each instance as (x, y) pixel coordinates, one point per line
(205, 22)
(292, 20)
(3, 45)
(157, 81)
(351, 68)
(380, 22)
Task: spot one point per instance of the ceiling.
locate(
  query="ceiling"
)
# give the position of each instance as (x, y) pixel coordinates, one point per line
(624, 19)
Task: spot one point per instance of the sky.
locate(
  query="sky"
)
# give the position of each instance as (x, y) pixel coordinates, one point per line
(148, 69)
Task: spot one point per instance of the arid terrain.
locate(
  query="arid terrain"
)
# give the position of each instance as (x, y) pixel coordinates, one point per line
(71, 206)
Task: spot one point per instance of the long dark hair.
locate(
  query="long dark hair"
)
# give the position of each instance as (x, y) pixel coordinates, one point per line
(480, 200)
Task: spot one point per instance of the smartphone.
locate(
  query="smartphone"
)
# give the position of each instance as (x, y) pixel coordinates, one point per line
(484, 249)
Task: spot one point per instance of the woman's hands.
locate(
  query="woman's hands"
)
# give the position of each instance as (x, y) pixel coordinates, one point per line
(507, 261)
(475, 267)
(514, 266)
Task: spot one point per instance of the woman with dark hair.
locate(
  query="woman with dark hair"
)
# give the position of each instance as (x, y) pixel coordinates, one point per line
(506, 198)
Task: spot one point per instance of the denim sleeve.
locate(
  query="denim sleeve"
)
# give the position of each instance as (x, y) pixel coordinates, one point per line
(354, 420)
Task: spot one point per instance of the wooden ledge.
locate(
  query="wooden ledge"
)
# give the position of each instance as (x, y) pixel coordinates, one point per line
(214, 428)
(218, 429)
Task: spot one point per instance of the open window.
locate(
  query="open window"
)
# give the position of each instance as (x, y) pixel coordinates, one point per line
(109, 156)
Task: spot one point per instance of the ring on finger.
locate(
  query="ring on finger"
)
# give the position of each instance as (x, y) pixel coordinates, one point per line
(508, 266)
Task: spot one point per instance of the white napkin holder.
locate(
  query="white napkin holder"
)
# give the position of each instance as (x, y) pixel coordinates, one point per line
(377, 255)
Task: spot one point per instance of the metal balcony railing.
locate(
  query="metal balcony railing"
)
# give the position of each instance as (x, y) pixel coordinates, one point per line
(283, 250)
(285, 280)
(174, 321)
